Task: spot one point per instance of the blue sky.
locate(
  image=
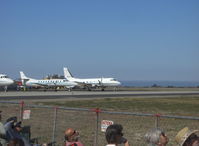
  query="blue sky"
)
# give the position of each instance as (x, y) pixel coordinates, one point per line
(128, 40)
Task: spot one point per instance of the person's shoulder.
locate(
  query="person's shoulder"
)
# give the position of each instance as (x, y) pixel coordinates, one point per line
(1, 124)
(2, 129)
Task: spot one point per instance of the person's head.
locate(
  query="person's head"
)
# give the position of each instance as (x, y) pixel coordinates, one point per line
(156, 137)
(114, 134)
(13, 119)
(187, 137)
(192, 140)
(71, 135)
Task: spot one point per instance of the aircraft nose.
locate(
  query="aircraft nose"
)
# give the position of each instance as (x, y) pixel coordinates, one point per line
(118, 83)
(11, 81)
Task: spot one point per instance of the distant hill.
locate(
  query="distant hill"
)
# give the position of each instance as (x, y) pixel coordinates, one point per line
(160, 83)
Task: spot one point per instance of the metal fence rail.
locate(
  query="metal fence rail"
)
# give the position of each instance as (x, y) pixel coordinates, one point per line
(48, 123)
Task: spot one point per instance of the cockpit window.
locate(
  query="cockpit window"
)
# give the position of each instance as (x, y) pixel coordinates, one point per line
(113, 79)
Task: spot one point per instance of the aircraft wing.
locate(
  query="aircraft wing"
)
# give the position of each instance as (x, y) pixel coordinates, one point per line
(69, 86)
(55, 85)
(83, 84)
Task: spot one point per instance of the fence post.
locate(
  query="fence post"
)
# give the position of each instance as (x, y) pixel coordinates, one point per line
(97, 111)
(21, 110)
(157, 120)
(54, 126)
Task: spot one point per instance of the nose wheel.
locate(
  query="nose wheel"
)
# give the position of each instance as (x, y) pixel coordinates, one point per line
(5, 88)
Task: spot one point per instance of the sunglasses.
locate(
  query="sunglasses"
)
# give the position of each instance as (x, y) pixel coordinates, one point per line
(66, 137)
(121, 134)
(74, 132)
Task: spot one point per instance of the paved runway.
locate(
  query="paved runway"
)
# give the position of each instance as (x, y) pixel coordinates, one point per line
(32, 95)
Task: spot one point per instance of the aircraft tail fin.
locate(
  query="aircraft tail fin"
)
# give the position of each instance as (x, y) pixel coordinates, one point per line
(24, 79)
(67, 73)
(23, 76)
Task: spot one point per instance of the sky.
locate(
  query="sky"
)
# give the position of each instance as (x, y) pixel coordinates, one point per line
(128, 40)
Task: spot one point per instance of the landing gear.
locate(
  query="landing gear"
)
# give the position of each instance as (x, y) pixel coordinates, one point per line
(69, 89)
(24, 88)
(56, 89)
(89, 89)
(5, 88)
(102, 89)
(45, 89)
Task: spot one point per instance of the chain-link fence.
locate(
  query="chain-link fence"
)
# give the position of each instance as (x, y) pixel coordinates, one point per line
(48, 123)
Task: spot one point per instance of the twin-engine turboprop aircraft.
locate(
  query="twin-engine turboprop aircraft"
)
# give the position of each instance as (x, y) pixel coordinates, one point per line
(92, 82)
(29, 82)
(69, 82)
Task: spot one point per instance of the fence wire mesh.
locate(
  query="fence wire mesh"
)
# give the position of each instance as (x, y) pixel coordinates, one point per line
(172, 125)
(49, 123)
(133, 127)
(41, 123)
(10, 110)
(83, 122)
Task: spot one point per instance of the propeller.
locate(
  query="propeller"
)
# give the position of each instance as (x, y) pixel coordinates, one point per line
(100, 81)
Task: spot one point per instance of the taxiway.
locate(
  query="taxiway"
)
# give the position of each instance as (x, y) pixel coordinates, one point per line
(32, 95)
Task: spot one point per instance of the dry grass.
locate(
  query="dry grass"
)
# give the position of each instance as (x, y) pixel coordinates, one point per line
(134, 126)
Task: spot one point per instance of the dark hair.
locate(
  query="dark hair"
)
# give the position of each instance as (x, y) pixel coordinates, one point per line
(112, 132)
(12, 119)
(192, 138)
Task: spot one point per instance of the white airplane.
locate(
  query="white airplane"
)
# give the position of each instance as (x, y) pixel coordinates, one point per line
(92, 82)
(46, 83)
(5, 81)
